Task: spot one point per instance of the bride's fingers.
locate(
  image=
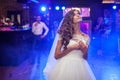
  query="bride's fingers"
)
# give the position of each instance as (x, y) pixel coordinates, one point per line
(80, 42)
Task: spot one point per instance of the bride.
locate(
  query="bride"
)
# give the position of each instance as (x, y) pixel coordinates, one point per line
(67, 59)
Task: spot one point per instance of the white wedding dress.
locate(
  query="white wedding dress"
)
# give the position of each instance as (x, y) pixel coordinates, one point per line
(72, 66)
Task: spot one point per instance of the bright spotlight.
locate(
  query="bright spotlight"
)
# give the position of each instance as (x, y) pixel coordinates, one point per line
(43, 8)
(57, 7)
(114, 7)
(63, 8)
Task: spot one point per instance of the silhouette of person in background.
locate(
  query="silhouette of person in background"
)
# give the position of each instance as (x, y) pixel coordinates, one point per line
(54, 29)
(40, 30)
(98, 31)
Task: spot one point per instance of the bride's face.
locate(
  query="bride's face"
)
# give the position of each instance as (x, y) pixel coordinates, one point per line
(76, 18)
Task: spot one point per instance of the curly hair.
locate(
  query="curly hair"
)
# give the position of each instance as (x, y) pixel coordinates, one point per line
(66, 28)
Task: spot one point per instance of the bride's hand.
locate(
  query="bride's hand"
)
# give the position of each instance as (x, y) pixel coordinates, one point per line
(81, 44)
(84, 49)
(75, 46)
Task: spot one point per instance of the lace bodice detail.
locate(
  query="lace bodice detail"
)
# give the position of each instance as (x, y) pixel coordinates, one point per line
(77, 37)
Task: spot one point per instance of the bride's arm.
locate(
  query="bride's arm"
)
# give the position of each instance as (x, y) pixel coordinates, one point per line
(84, 48)
(59, 53)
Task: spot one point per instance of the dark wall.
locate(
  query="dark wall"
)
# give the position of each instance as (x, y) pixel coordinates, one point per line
(75, 2)
(15, 47)
(23, 1)
(96, 11)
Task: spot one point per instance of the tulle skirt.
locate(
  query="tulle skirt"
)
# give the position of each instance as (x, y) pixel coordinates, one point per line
(71, 67)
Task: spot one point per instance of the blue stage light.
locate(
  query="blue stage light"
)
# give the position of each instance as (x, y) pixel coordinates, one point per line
(114, 7)
(43, 8)
(63, 8)
(57, 7)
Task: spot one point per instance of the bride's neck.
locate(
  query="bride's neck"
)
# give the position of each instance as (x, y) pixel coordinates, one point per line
(77, 28)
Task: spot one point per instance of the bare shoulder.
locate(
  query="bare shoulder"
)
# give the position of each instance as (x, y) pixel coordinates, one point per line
(85, 35)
